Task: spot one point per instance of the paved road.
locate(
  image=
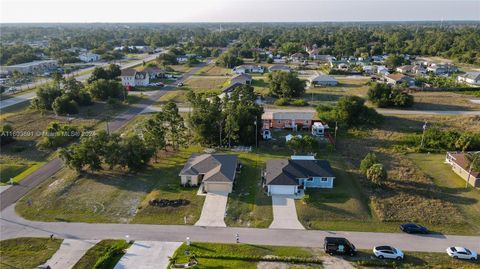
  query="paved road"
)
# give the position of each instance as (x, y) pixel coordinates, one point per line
(12, 226)
(30, 95)
(12, 194)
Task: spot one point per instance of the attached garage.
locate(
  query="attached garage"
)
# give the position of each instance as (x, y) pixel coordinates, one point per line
(282, 189)
(218, 186)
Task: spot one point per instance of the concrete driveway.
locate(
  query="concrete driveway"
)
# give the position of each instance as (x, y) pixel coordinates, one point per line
(285, 213)
(69, 253)
(148, 255)
(213, 211)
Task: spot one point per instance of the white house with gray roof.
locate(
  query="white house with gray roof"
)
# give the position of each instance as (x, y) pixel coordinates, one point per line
(214, 172)
(470, 78)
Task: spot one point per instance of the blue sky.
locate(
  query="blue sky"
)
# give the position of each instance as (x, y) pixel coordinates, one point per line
(235, 10)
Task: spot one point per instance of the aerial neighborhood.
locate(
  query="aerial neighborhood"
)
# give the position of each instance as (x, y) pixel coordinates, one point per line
(240, 145)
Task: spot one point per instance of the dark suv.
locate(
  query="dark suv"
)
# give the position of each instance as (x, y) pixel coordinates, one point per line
(339, 245)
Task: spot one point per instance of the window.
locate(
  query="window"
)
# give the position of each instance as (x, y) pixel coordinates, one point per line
(189, 178)
(310, 179)
(324, 179)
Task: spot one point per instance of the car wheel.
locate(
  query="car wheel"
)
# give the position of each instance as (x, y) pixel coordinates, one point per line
(473, 258)
(455, 257)
(380, 256)
(399, 258)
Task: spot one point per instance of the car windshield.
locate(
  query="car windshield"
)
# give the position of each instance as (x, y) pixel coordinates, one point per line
(468, 252)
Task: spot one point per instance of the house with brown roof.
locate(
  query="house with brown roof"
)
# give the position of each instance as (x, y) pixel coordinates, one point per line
(295, 120)
(292, 176)
(461, 166)
(213, 172)
(394, 79)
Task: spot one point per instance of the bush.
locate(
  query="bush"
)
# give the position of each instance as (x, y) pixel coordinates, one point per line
(367, 162)
(103, 89)
(6, 136)
(383, 95)
(300, 102)
(56, 135)
(64, 105)
(377, 174)
(281, 102)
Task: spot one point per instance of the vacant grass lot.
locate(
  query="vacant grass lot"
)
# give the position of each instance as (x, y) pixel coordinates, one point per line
(443, 101)
(452, 185)
(27, 252)
(109, 252)
(206, 83)
(210, 255)
(115, 196)
(213, 70)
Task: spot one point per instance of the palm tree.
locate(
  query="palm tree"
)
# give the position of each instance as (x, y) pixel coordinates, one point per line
(474, 163)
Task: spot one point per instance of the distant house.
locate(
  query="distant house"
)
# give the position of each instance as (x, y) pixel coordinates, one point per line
(227, 91)
(470, 78)
(405, 69)
(133, 78)
(442, 69)
(394, 79)
(144, 49)
(242, 79)
(291, 177)
(35, 67)
(297, 57)
(242, 69)
(89, 57)
(323, 80)
(295, 120)
(419, 70)
(213, 172)
(338, 64)
(382, 70)
(155, 72)
(460, 165)
(182, 58)
(369, 69)
(279, 67)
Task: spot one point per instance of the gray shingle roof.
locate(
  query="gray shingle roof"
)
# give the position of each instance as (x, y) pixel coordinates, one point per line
(215, 167)
(287, 172)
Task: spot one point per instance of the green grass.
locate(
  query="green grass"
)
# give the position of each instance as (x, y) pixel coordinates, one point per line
(27, 252)
(248, 205)
(109, 252)
(452, 185)
(425, 260)
(113, 196)
(17, 171)
(212, 255)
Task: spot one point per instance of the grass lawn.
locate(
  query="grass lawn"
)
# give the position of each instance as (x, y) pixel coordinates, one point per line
(27, 252)
(211, 255)
(365, 259)
(443, 101)
(115, 196)
(17, 171)
(260, 85)
(182, 68)
(109, 252)
(248, 205)
(206, 83)
(467, 199)
(176, 96)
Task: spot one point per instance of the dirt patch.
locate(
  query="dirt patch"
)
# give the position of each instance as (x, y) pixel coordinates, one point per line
(331, 262)
(284, 265)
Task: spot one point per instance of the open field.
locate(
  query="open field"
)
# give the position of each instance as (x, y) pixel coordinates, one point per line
(115, 196)
(182, 68)
(206, 83)
(109, 251)
(213, 70)
(27, 252)
(443, 101)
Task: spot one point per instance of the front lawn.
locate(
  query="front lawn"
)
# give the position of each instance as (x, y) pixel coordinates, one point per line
(27, 252)
(206, 83)
(105, 254)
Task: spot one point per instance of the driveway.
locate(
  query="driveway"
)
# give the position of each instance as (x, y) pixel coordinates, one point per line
(213, 211)
(148, 255)
(70, 253)
(285, 213)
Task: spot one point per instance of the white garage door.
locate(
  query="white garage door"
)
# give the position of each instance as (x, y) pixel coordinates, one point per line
(282, 189)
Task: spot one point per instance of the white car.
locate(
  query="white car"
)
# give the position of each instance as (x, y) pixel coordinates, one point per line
(462, 253)
(387, 252)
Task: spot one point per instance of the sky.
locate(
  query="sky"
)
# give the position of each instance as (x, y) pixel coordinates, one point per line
(236, 10)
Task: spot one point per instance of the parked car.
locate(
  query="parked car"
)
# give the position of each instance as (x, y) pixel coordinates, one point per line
(413, 228)
(180, 84)
(462, 253)
(387, 252)
(339, 245)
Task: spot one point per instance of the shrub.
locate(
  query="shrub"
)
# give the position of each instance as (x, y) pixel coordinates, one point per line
(64, 105)
(377, 174)
(367, 162)
(281, 102)
(350, 111)
(300, 102)
(56, 135)
(6, 136)
(383, 95)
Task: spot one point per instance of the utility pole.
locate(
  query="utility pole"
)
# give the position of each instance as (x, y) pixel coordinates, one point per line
(423, 134)
(335, 140)
(256, 133)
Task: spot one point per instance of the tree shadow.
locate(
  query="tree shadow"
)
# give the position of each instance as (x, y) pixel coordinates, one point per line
(436, 106)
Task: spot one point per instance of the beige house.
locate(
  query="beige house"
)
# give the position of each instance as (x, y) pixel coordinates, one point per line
(213, 172)
(460, 165)
(295, 120)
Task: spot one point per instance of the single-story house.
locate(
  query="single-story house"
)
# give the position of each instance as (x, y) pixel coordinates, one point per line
(246, 68)
(460, 165)
(229, 89)
(382, 70)
(133, 78)
(288, 119)
(214, 172)
(35, 67)
(297, 57)
(442, 69)
(419, 70)
(323, 80)
(470, 78)
(242, 79)
(279, 67)
(89, 57)
(405, 69)
(290, 177)
(394, 79)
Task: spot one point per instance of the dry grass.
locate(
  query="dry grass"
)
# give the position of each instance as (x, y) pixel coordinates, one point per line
(213, 70)
(206, 83)
(443, 101)
(182, 68)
